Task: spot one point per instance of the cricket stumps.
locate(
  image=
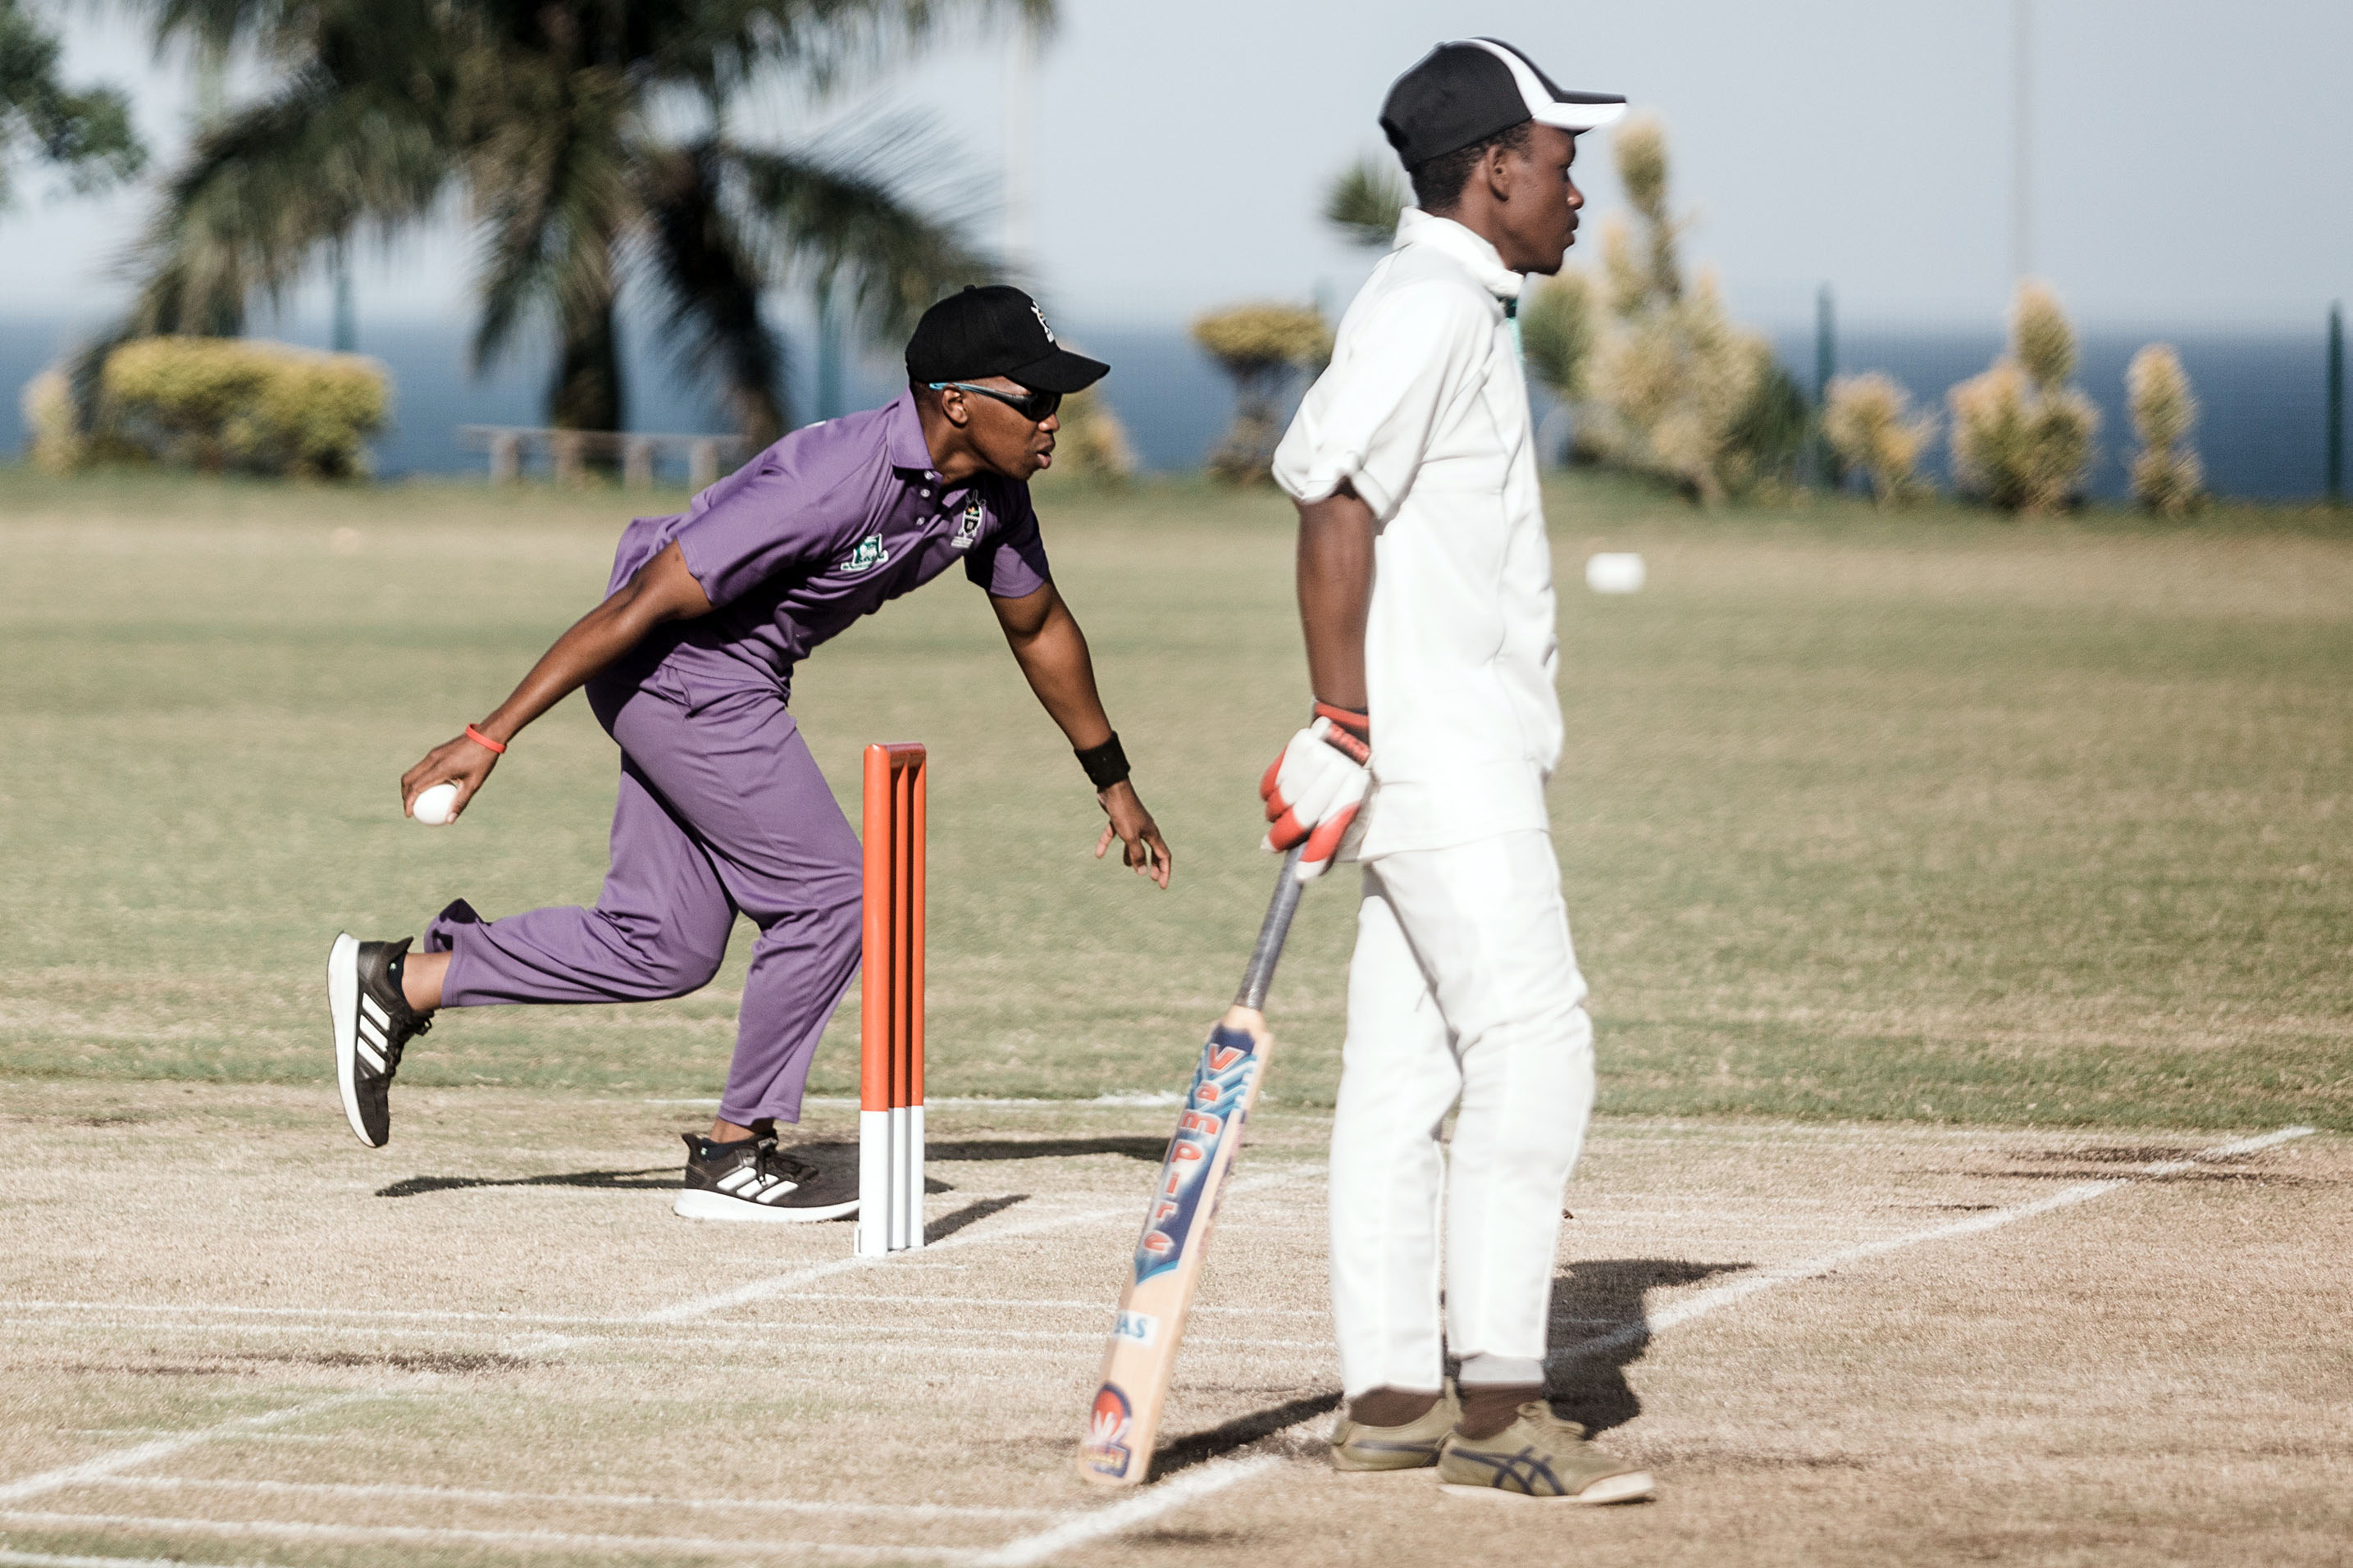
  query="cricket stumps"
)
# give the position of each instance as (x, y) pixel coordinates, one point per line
(890, 1018)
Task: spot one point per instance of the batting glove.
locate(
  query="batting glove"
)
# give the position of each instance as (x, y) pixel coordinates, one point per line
(1314, 789)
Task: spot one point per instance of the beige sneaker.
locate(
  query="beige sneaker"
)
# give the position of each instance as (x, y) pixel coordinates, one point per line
(1413, 1446)
(1539, 1457)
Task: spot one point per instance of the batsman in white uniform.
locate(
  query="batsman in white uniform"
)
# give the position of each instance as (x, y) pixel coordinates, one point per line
(1425, 592)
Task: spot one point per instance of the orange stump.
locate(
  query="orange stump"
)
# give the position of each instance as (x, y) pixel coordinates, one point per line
(891, 1033)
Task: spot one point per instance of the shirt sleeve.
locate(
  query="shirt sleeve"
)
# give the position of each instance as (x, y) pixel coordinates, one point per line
(1368, 417)
(765, 519)
(1012, 564)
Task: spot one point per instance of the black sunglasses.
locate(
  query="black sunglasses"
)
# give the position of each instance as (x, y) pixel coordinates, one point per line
(1035, 407)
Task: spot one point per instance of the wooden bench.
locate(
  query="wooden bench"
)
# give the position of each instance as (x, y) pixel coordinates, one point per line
(569, 452)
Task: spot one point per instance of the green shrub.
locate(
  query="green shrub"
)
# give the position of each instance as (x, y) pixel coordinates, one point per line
(2021, 435)
(2165, 475)
(236, 402)
(1869, 423)
(1262, 347)
(1671, 385)
(53, 437)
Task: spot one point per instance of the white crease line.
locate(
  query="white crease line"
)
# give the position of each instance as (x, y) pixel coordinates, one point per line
(576, 1500)
(2228, 1151)
(878, 1338)
(433, 1534)
(52, 1560)
(1707, 1301)
(105, 1465)
(783, 1284)
(525, 1319)
(786, 1335)
(1213, 1477)
(1219, 1475)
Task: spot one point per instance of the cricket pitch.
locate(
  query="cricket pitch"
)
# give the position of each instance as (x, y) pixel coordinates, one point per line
(235, 1336)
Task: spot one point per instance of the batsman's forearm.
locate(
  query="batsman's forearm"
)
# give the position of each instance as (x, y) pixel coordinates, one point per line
(1336, 594)
(1059, 669)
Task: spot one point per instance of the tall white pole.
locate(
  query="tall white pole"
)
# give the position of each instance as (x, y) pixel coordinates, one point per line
(2021, 139)
(1021, 150)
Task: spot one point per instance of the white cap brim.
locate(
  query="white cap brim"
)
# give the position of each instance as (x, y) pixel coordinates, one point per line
(1569, 112)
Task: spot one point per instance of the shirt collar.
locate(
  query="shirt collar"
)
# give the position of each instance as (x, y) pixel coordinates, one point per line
(903, 433)
(1468, 250)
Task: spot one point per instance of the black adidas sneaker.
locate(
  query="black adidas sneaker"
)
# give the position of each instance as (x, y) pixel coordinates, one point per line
(755, 1180)
(373, 1022)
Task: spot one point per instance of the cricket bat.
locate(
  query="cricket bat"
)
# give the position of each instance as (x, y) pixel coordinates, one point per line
(1141, 1355)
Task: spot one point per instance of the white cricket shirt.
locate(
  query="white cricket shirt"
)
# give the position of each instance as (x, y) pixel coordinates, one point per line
(1424, 411)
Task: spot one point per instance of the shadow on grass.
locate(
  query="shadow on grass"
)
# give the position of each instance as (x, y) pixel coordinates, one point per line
(1196, 1447)
(971, 1213)
(1600, 1325)
(653, 1180)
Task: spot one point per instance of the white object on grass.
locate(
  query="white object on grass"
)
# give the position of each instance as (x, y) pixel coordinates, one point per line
(435, 806)
(1614, 572)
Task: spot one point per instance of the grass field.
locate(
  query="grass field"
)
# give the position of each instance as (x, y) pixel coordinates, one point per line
(1967, 907)
(1940, 817)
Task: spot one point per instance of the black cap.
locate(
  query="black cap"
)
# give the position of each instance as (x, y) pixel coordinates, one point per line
(1465, 91)
(995, 329)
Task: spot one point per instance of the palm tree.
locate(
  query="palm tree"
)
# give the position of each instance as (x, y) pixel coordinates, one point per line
(592, 145)
(86, 134)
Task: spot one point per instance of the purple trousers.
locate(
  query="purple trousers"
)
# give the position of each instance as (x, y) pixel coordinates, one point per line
(722, 811)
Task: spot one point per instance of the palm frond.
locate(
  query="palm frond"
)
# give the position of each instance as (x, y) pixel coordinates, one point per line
(711, 278)
(878, 223)
(549, 166)
(1363, 201)
(262, 190)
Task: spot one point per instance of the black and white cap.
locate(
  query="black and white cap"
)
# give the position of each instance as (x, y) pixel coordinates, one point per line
(995, 329)
(1469, 89)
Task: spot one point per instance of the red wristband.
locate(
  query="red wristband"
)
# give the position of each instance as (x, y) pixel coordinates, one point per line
(497, 748)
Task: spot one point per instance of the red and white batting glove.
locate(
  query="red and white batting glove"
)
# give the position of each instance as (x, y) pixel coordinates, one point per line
(1314, 789)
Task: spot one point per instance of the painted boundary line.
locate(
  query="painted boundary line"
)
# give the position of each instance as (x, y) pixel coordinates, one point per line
(574, 1499)
(52, 1560)
(106, 1465)
(433, 1535)
(1218, 1475)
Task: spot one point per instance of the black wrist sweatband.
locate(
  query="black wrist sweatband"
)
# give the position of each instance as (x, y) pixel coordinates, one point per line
(1106, 765)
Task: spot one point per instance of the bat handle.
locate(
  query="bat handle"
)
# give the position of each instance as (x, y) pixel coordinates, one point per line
(1271, 934)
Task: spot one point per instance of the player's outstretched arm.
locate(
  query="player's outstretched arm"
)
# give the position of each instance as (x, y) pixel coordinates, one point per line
(1053, 652)
(661, 590)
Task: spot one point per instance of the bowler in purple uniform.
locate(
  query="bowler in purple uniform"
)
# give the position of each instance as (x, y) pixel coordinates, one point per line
(688, 664)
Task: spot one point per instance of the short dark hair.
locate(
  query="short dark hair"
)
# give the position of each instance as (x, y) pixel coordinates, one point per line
(1438, 182)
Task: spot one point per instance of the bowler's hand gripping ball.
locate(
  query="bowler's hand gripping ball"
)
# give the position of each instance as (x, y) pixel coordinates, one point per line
(435, 806)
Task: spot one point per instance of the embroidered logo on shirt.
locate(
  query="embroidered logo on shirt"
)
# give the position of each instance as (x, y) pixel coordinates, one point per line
(869, 554)
(967, 528)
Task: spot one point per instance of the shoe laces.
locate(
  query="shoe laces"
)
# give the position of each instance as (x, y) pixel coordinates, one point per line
(774, 1160)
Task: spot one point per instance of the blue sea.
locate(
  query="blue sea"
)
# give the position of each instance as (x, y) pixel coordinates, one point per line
(2261, 432)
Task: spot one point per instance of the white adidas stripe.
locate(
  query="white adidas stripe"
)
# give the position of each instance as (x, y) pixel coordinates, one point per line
(369, 1054)
(368, 1006)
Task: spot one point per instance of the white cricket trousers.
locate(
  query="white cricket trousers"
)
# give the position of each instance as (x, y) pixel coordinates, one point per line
(1464, 987)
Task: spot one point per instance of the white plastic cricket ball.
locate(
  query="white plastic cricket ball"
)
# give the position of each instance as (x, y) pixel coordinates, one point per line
(435, 806)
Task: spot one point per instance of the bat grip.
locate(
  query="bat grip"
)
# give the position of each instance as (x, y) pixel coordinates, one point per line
(1270, 934)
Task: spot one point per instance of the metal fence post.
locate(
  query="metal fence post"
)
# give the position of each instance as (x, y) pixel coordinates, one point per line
(2337, 403)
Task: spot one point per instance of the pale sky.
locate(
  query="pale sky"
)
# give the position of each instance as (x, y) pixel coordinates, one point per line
(2192, 161)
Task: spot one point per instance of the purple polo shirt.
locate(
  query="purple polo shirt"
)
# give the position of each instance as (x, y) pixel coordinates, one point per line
(822, 528)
